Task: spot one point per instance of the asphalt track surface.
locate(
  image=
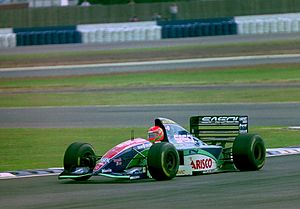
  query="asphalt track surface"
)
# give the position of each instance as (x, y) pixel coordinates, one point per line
(210, 40)
(280, 114)
(277, 185)
(151, 65)
(93, 69)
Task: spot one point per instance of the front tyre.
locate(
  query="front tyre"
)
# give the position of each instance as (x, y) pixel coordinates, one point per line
(163, 161)
(249, 152)
(79, 155)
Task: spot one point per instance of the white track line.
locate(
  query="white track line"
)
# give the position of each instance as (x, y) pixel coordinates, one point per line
(154, 62)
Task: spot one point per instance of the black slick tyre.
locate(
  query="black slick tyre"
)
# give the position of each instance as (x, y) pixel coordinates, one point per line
(163, 161)
(79, 155)
(249, 152)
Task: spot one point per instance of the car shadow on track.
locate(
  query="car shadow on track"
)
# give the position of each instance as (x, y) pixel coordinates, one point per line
(99, 180)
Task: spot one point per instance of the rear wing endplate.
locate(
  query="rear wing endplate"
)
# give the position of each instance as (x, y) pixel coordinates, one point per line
(218, 128)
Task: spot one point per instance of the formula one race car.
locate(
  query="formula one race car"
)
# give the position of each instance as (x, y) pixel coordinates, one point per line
(214, 144)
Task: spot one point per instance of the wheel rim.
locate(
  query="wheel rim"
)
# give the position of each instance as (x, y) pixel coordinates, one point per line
(170, 161)
(87, 160)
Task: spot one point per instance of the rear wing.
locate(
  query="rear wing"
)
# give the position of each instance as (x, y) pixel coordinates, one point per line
(218, 128)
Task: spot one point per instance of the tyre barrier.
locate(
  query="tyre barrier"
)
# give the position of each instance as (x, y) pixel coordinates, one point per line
(150, 30)
(266, 24)
(197, 29)
(7, 40)
(269, 26)
(48, 37)
(120, 32)
(111, 35)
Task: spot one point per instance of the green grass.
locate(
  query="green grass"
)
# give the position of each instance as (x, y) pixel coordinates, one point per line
(141, 98)
(43, 148)
(200, 49)
(258, 75)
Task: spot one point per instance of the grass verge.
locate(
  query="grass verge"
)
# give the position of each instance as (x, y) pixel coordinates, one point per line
(233, 75)
(198, 49)
(142, 98)
(43, 148)
(126, 88)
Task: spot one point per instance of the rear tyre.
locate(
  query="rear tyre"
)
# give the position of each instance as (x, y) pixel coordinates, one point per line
(79, 155)
(163, 161)
(249, 152)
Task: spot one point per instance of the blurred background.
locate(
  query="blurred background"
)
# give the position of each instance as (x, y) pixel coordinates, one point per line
(36, 13)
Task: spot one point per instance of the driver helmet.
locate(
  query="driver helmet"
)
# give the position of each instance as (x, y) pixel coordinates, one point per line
(155, 134)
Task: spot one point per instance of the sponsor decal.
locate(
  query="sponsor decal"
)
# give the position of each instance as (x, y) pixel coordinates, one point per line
(243, 124)
(104, 160)
(166, 121)
(81, 170)
(201, 162)
(181, 172)
(143, 146)
(135, 177)
(118, 161)
(186, 138)
(244, 119)
(106, 171)
(193, 151)
(220, 119)
(243, 128)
